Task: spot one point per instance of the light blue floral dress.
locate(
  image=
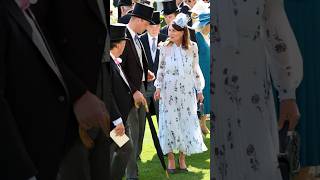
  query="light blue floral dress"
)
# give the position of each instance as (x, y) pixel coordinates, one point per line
(261, 54)
(179, 78)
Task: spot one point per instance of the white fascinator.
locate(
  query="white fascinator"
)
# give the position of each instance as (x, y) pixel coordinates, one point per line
(181, 20)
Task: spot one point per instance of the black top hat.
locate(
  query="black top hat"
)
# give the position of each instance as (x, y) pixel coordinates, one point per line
(124, 19)
(118, 32)
(156, 18)
(142, 11)
(169, 7)
(124, 3)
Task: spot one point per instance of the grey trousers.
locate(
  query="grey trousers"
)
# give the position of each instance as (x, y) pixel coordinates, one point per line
(119, 158)
(136, 123)
(83, 164)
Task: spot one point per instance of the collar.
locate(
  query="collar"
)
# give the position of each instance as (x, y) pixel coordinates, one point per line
(132, 33)
(116, 60)
(150, 37)
(24, 4)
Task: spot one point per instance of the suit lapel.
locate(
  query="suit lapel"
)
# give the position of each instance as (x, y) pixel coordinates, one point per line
(19, 17)
(145, 41)
(21, 20)
(114, 65)
(133, 47)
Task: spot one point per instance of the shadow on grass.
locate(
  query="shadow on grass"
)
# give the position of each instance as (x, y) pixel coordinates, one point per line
(198, 166)
(150, 167)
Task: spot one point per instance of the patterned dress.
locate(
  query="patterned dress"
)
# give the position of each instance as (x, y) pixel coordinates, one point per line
(179, 77)
(264, 53)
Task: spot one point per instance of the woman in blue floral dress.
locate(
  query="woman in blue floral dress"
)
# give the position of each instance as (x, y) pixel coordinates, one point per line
(254, 50)
(179, 86)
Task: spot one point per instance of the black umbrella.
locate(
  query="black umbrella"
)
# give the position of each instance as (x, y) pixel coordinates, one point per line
(156, 142)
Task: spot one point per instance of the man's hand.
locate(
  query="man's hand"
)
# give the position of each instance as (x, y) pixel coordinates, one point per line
(120, 130)
(91, 112)
(139, 99)
(151, 76)
(289, 112)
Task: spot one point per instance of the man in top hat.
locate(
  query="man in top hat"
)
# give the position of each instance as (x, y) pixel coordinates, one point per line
(124, 7)
(191, 3)
(123, 99)
(150, 41)
(135, 67)
(184, 7)
(170, 11)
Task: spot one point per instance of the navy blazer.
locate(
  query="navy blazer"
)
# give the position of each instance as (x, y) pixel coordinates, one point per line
(153, 65)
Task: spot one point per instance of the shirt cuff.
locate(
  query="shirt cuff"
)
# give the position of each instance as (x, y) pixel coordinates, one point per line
(287, 94)
(117, 121)
(199, 91)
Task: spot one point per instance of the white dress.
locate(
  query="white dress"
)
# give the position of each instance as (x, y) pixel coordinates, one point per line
(179, 77)
(263, 53)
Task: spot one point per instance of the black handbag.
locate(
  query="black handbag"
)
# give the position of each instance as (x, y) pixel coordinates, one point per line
(200, 109)
(288, 158)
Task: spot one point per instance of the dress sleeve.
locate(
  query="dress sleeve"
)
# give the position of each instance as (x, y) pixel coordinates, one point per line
(197, 73)
(284, 59)
(158, 83)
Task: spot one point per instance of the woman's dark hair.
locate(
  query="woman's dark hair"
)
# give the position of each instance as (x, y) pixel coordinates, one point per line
(185, 38)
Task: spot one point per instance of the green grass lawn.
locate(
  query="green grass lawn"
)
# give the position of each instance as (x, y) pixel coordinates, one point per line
(150, 167)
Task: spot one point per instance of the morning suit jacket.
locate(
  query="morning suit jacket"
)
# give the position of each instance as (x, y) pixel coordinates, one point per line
(121, 92)
(79, 34)
(131, 64)
(34, 102)
(153, 65)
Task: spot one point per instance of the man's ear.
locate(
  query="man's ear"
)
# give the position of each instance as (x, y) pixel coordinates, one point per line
(118, 45)
(122, 9)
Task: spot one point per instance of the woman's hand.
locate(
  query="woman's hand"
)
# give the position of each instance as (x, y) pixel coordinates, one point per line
(289, 111)
(200, 97)
(156, 95)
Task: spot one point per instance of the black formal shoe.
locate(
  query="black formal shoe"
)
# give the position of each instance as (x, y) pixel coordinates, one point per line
(184, 170)
(171, 171)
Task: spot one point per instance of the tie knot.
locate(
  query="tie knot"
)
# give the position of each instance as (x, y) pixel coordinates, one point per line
(118, 61)
(24, 4)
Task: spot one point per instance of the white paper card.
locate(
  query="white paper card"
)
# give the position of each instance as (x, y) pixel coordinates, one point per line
(119, 140)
